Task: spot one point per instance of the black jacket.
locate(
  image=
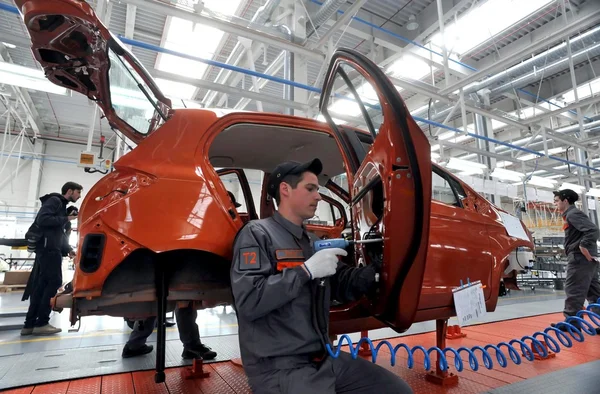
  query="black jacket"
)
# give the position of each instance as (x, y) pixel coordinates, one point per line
(52, 219)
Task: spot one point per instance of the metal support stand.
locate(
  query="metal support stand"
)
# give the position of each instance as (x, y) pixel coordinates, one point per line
(537, 356)
(365, 350)
(162, 291)
(196, 371)
(439, 377)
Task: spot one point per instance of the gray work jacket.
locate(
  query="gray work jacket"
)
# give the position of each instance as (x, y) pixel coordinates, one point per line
(275, 300)
(579, 231)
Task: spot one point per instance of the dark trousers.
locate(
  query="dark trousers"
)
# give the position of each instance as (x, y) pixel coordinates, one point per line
(186, 324)
(46, 284)
(332, 376)
(581, 283)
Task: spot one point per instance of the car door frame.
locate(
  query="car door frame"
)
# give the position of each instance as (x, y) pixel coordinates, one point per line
(394, 108)
(335, 229)
(245, 185)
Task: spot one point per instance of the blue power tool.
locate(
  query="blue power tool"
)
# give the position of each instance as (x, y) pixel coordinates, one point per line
(340, 243)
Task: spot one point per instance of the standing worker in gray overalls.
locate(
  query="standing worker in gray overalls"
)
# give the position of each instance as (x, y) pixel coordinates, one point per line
(581, 235)
(282, 292)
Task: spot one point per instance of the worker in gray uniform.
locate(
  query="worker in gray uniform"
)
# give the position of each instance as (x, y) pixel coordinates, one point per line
(282, 292)
(581, 235)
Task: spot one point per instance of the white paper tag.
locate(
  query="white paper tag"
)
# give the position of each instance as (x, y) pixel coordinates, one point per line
(513, 226)
(469, 303)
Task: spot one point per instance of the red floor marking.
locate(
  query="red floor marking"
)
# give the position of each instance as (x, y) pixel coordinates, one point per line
(234, 376)
(178, 384)
(85, 386)
(118, 384)
(52, 388)
(23, 390)
(226, 378)
(143, 382)
(215, 384)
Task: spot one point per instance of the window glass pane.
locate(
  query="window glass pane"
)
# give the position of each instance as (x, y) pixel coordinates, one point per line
(322, 215)
(128, 100)
(345, 108)
(458, 188)
(232, 184)
(441, 190)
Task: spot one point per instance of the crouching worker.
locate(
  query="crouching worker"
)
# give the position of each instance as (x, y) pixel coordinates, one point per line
(276, 281)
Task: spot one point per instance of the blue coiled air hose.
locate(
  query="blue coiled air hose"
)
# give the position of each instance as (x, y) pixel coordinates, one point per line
(514, 355)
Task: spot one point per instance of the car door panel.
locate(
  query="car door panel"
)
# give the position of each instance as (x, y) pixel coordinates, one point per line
(391, 187)
(466, 256)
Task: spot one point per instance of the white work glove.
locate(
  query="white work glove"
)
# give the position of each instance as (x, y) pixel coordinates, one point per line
(324, 262)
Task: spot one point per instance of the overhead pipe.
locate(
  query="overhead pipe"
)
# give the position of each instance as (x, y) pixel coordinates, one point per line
(159, 49)
(539, 63)
(326, 11)
(409, 41)
(318, 90)
(395, 35)
(550, 69)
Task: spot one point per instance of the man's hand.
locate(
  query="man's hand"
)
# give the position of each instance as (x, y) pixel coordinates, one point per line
(72, 254)
(71, 217)
(324, 262)
(586, 253)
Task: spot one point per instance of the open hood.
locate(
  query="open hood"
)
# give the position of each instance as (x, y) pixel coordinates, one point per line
(79, 53)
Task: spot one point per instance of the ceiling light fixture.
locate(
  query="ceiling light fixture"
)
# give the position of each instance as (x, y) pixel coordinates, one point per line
(30, 78)
(508, 175)
(593, 192)
(470, 167)
(542, 182)
(412, 23)
(572, 186)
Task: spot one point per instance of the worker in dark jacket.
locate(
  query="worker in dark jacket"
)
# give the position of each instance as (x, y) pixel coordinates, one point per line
(581, 235)
(282, 292)
(52, 219)
(67, 250)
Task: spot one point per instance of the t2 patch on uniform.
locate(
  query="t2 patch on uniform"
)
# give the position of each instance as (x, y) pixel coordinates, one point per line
(249, 259)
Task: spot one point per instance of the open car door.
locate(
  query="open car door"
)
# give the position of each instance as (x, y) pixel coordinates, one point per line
(390, 183)
(78, 52)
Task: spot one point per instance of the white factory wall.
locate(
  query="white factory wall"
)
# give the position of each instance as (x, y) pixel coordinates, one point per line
(14, 191)
(61, 168)
(58, 166)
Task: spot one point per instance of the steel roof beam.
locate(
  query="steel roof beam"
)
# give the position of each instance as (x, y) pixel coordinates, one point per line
(226, 26)
(229, 90)
(589, 19)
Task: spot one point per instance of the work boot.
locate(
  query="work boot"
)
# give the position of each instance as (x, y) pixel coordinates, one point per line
(199, 351)
(129, 352)
(48, 329)
(26, 331)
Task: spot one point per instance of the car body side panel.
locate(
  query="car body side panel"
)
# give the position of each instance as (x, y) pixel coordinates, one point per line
(458, 249)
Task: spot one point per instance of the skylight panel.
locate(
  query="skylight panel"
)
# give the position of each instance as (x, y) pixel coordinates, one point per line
(584, 91)
(410, 67)
(193, 39)
(484, 22)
